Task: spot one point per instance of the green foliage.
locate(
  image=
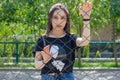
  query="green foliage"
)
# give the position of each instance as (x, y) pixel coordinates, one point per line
(115, 8)
(8, 10)
(115, 14)
(29, 17)
(96, 64)
(98, 54)
(100, 13)
(86, 52)
(25, 20)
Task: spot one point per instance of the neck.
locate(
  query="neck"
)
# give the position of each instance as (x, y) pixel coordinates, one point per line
(57, 34)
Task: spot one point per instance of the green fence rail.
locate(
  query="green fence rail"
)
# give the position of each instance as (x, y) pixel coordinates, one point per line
(17, 49)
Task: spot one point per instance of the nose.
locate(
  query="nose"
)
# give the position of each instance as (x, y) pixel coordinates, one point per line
(59, 21)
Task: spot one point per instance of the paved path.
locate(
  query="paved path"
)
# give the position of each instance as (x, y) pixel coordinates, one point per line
(80, 74)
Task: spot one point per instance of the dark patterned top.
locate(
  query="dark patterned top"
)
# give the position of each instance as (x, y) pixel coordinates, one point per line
(63, 50)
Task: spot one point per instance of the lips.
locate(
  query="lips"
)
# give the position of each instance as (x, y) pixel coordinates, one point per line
(58, 26)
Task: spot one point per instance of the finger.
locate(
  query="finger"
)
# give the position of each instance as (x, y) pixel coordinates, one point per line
(42, 52)
(45, 56)
(86, 5)
(80, 9)
(51, 54)
(46, 49)
(38, 55)
(89, 4)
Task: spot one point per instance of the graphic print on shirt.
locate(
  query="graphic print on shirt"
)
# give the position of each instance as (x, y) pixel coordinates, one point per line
(58, 54)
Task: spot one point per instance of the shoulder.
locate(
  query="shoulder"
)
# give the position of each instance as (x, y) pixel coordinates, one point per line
(73, 36)
(40, 39)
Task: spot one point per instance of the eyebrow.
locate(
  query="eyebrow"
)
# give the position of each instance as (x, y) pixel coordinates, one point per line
(63, 16)
(60, 14)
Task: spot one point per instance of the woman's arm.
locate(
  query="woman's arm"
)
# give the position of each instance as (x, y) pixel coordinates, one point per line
(85, 38)
(38, 60)
(42, 57)
(85, 12)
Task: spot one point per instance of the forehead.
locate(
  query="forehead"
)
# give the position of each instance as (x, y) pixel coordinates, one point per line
(59, 12)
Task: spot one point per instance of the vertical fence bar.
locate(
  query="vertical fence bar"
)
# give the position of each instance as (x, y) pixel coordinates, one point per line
(79, 57)
(79, 49)
(17, 55)
(114, 40)
(115, 14)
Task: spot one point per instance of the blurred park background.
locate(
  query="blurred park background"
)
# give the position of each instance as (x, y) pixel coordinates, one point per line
(22, 22)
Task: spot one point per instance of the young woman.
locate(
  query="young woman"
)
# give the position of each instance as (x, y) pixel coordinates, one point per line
(54, 52)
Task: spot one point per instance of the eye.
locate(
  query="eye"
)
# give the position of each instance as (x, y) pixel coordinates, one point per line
(63, 17)
(55, 17)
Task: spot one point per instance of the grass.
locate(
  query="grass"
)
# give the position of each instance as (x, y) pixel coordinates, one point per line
(108, 64)
(19, 65)
(88, 64)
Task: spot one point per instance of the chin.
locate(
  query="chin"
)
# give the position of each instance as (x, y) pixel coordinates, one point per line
(59, 29)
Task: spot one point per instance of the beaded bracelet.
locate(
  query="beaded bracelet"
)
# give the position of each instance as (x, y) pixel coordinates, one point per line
(86, 19)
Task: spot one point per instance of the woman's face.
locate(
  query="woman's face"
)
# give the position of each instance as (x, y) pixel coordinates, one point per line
(59, 20)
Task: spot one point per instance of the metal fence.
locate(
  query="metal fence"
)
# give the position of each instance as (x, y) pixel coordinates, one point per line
(80, 74)
(10, 69)
(23, 22)
(101, 50)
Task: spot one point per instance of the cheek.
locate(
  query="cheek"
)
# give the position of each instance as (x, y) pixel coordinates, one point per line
(64, 23)
(53, 22)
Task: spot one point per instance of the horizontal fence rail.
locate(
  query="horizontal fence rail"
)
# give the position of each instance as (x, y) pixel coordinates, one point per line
(92, 50)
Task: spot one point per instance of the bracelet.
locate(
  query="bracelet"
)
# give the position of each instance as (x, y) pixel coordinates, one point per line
(86, 19)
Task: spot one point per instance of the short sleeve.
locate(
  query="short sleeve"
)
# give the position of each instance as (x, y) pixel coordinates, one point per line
(73, 39)
(38, 45)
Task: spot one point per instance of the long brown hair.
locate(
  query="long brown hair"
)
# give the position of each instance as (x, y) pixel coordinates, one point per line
(50, 14)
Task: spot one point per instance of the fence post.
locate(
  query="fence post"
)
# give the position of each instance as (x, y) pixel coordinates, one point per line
(115, 15)
(114, 40)
(17, 55)
(79, 49)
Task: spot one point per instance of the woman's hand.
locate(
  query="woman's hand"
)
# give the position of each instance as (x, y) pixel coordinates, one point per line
(85, 10)
(46, 54)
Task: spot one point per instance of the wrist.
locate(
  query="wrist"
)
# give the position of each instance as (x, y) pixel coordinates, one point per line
(43, 62)
(86, 19)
